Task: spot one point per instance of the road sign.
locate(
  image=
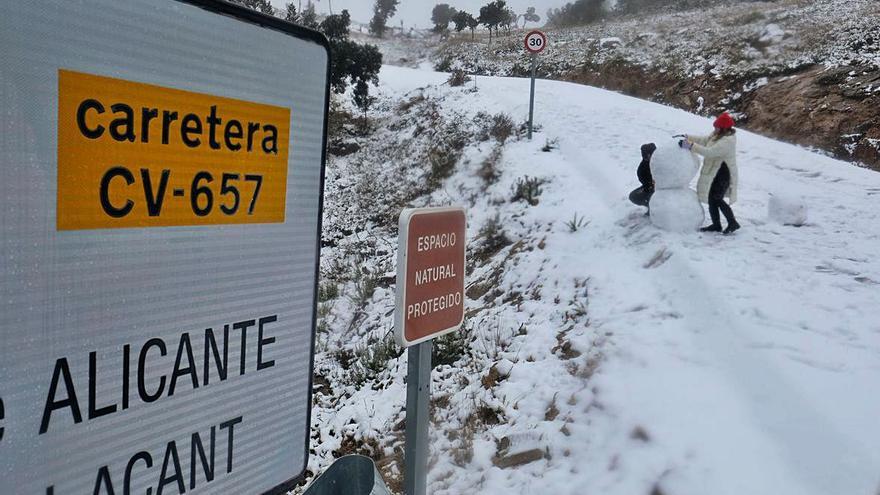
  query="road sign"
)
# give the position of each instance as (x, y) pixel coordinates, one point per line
(430, 303)
(430, 274)
(536, 42)
(160, 215)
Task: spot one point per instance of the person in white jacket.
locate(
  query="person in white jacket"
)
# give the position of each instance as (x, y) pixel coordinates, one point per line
(719, 175)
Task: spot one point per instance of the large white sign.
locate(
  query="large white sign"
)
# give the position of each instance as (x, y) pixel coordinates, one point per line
(159, 236)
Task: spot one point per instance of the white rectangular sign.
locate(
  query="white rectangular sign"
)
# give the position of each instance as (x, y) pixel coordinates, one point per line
(163, 166)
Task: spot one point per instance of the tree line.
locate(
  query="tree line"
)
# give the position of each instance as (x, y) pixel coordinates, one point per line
(353, 64)
(494, 16)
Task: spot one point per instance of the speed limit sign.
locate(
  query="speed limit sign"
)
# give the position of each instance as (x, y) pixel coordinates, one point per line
(536, 41)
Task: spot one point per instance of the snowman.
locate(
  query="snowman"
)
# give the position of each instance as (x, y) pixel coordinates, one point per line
(675, 206)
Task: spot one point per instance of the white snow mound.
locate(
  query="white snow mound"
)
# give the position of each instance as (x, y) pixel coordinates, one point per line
(673, 167)
(676, 210)
(772, 33)
(787, 210)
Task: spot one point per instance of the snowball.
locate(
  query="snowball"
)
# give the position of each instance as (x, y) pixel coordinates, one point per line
(676, 210)
(673, 167)
(787, 210)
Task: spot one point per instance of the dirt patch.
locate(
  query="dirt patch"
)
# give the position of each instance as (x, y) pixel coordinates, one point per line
(809, 106)
(821, 108)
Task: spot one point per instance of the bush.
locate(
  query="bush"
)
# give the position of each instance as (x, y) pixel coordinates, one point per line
(364, 286)
(373, 358)
(450, 348)
(527, 189)
(327, 291)
(489, 169)
(443, 65)
(458, 78)
(443, 157)
(442, 162)
(493, 239)
(502, 127)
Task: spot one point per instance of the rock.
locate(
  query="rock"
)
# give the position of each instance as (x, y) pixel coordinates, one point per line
(519, 449)
(640, 434)
(518, 459)
(611, 42)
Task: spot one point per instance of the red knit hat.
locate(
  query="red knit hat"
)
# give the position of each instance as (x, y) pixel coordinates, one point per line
(724, 121)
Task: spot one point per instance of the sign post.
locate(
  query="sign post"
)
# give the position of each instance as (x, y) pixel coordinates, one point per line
(161, 219)
(418, 400)
(430, 303)
(535, 42)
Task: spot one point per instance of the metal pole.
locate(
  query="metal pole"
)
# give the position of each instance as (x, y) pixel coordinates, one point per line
(418, 397)
(532, 96)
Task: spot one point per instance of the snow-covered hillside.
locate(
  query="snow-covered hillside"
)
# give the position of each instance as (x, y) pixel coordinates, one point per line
(601, 355)
(804, 71)
(736, 40)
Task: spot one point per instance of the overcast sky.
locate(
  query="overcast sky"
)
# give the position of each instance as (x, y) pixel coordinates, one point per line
(418, 12)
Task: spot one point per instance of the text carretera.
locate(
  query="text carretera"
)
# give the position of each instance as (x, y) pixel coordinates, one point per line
(139, 155)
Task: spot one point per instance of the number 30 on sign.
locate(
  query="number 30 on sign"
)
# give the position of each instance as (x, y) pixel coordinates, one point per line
(536, 42)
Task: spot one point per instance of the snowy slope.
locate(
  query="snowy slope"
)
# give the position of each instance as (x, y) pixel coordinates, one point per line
(695, 363)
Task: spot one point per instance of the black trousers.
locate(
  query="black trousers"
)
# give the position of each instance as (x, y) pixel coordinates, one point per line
(719, 187)
(641, 196)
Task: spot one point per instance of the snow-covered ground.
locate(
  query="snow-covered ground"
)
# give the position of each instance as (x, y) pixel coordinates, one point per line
(639, 361)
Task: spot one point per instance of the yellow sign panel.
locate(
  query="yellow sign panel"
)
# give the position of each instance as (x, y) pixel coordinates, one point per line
(139, 155)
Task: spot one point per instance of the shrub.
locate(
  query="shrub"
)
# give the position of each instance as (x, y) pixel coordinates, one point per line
(489, 169)
(443, 157)
(527, 189)
(502, 127)
(485, 121)
(444, 64)
(442, 162)
(324, 310)
(364, 286)
(327, 291)
(493, 239)
(458, 78)
(576, 223)
(449, 348)
(373, 358)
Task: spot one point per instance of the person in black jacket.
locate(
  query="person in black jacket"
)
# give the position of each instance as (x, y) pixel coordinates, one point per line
(642, 195)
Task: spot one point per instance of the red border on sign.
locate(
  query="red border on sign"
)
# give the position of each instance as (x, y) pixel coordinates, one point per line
(543, 37)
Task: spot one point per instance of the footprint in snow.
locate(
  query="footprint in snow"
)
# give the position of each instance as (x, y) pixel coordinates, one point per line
(659, 258)
(828, 267)
(812, 363)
